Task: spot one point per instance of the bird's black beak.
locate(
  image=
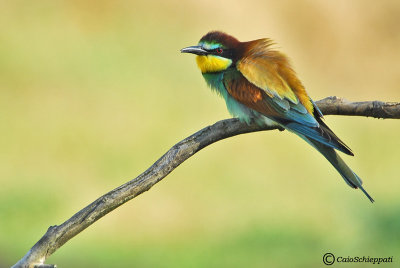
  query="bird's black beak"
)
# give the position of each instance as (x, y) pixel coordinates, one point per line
(198, 50)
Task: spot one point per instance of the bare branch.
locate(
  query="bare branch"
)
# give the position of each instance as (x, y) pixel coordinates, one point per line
(58, 235)
(377, 109)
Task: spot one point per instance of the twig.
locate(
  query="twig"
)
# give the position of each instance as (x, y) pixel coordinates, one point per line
(58, 235)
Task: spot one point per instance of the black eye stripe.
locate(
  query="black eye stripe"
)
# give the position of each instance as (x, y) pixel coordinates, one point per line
(228, 53)
(211, 50)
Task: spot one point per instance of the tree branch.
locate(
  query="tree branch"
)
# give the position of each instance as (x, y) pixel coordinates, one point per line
(58, 235)
(377, 109)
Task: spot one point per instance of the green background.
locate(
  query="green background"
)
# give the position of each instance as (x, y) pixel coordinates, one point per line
(93, 92)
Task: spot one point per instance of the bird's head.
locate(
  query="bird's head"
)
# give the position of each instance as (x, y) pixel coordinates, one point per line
(216, 52)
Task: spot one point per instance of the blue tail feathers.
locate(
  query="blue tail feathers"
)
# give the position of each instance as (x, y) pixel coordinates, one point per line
(348, 175)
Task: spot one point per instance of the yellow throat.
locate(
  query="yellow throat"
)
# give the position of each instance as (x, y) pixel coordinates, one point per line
(212, 63)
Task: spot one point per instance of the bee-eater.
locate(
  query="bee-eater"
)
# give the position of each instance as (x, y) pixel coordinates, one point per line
(258, 83)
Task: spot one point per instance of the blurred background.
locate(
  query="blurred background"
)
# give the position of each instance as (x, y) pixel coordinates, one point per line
(93, 92)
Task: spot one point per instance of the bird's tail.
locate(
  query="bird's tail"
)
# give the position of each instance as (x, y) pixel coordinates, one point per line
(348, 175)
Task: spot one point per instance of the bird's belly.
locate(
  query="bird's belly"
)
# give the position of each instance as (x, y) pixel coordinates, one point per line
(268, 122)
(246, 114)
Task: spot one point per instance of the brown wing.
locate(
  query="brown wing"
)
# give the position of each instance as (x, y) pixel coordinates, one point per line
(248, 94)
(270, 70)
(294, 117)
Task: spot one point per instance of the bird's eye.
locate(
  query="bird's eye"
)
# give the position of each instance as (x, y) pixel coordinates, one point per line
(219, 50)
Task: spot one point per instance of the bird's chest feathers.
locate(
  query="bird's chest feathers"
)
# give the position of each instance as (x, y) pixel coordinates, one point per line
(212, 63)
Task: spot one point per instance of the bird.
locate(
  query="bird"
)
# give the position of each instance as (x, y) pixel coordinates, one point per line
(259, 85)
